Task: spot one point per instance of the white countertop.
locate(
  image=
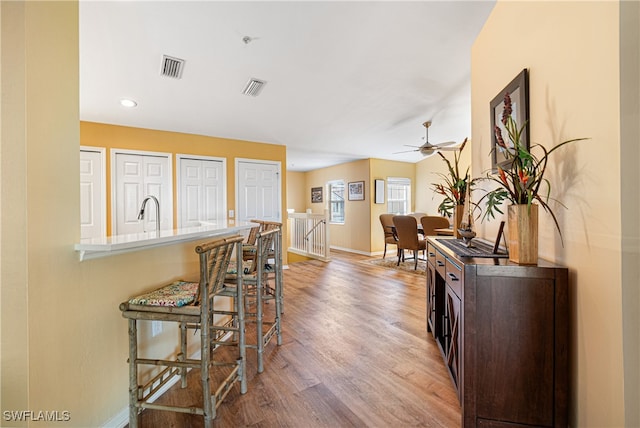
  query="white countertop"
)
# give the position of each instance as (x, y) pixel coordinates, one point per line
(92, 248)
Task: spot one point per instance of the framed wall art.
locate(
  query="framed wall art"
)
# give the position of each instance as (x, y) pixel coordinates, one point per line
(356, 191)
(316, 195)
(379, 190)
(518, 90)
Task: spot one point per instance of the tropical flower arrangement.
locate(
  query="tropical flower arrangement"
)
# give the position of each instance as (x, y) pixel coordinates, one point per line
(454, 188)
(523, 181)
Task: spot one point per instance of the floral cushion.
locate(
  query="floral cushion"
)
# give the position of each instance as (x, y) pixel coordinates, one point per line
(179, 293)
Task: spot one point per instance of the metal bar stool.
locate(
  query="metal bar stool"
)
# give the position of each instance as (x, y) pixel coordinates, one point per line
(191, 305)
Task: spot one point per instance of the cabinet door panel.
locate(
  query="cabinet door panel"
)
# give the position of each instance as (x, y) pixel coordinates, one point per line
(431, 300)
(453, 333)
(515, 349)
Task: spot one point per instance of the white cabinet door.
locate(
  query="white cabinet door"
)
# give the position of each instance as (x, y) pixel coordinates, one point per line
(201, 191)
(92, 194)
(258, 194)
(136, 177)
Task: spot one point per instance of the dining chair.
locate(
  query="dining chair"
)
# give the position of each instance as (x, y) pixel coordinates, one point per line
(431, 223)
(191, 305)
(408, 239)
(418, 216)
(390, 237)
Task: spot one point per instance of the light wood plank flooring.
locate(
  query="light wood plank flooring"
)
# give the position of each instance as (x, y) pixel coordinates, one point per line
(355, 352)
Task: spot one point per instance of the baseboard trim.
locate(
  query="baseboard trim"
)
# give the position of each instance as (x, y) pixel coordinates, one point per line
(351, 250)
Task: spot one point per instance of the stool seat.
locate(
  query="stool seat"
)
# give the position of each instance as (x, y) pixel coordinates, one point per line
(179, 293)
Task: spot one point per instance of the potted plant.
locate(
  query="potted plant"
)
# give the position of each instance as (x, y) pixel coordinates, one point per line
(453, 188)
(523, 184)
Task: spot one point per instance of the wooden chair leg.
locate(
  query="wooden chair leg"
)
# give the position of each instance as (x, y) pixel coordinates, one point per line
(242, 350)
(209, 407)
(133, 374)
(259, 315)
(279, 296)
(385, 251)
(183, 354)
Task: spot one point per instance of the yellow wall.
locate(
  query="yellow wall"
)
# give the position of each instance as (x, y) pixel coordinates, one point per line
(298, 196)
(572, 52)
(381, 170)
(14, 305)
(630, 203)
(354, 233)
(122, 137)
(361, 231)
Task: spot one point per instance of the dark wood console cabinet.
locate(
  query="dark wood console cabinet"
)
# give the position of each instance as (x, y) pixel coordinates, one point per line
(503, 331)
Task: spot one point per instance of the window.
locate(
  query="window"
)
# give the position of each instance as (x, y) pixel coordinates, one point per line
(398, 195)
(336, 201)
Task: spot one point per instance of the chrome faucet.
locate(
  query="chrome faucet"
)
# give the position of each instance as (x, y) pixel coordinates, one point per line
(141, 213)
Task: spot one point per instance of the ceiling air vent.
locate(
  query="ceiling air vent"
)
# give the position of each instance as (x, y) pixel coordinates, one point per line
(253, 87)
(172, 67)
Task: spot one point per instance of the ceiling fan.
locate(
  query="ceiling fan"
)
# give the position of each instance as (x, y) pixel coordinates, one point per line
(428, 149)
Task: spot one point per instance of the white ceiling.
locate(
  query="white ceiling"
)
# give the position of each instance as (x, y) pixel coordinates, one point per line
(345, 80)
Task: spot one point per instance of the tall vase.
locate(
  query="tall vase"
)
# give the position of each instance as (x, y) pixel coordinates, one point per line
(458, 210)
(523, 233)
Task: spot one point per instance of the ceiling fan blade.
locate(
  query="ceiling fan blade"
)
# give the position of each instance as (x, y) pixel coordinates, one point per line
(447, 144)
(449, 148)
(406, 151)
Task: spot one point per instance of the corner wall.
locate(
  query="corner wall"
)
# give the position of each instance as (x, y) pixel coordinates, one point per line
(354, 233)
(382, 169)
(64, 342)
(572, 52)
(630, 188)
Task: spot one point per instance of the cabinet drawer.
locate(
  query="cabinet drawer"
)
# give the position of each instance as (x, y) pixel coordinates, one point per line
(431, 254)
(453, 277)
(441, 263)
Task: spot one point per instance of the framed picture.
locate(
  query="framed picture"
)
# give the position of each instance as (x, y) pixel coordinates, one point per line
(316, 195)
(379, 190)
(518, 90)
(356, 191)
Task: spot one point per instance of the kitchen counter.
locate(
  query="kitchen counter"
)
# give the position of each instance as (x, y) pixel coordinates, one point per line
(92, 248)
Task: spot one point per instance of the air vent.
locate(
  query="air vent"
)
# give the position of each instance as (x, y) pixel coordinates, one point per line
(253, 87)
(172, 67)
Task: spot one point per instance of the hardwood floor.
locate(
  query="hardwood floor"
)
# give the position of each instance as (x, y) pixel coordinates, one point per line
(355, 352)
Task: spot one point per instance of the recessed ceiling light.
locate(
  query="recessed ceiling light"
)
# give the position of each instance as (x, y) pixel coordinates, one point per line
(128, 103)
